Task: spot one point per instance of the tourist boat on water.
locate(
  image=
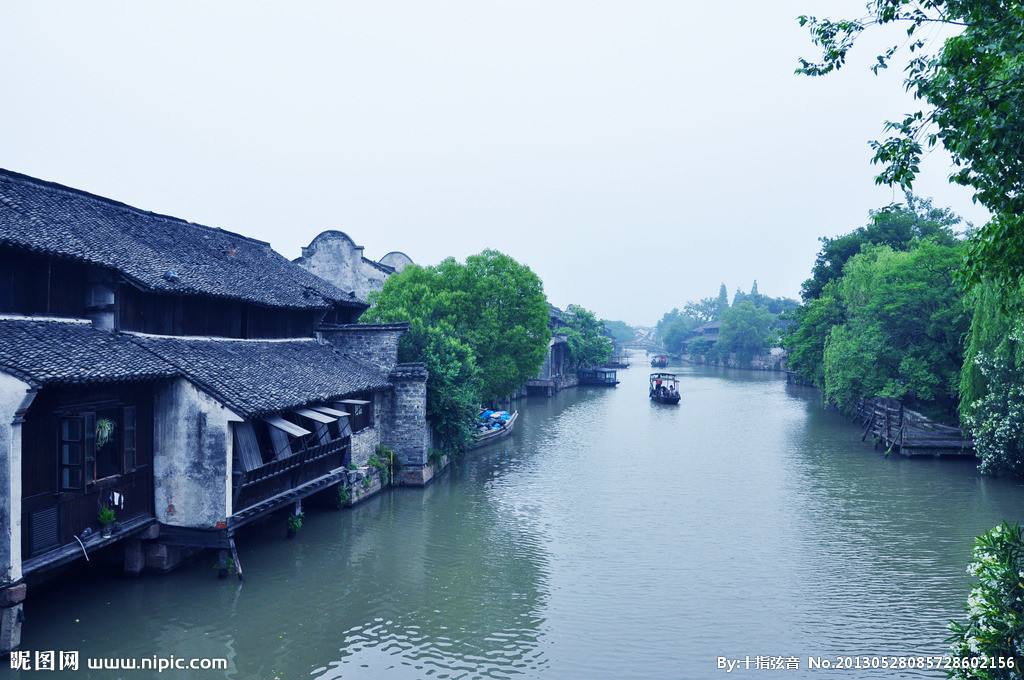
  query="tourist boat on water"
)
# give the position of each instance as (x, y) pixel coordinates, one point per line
(491, 426)
(659, 361)
(664, 388)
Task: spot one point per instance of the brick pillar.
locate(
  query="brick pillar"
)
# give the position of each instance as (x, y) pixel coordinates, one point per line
(406, 423)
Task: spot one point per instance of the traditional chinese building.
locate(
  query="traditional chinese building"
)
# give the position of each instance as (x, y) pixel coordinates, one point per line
(335, 257)
(555, 373)
(181, 380)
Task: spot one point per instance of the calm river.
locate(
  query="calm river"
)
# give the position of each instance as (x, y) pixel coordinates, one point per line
(608, 538)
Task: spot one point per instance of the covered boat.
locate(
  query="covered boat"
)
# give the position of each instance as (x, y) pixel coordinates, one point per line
(491, 426)
(659, 360)
(664, 388)
(603, 377)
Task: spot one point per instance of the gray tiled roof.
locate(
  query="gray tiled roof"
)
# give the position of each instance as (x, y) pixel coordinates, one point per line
(256, 377)
(158, 252)
(251, 377)
(46, 352)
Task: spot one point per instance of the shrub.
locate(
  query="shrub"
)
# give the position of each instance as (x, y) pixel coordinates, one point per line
(995, 608)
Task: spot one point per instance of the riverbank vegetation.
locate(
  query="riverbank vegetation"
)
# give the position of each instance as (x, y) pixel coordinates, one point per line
(585, 336)
(482, 329)
(962, 63)
(968, 84)
(883, 314)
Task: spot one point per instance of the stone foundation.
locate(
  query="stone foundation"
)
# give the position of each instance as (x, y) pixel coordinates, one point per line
(423, 474)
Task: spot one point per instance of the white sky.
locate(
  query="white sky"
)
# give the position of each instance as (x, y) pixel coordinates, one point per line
(634, 153)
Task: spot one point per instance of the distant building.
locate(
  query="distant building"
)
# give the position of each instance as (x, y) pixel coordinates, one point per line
(555, 373)
(335, 257)
(707, 332)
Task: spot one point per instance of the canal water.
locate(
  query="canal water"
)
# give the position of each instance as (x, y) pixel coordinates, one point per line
(609, 537)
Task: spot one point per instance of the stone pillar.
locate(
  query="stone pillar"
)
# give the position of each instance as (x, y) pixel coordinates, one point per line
(191, 458)
(134, 557)
(406, 423)
(15, 398)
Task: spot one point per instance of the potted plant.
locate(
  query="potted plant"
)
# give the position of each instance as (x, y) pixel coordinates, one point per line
(294, 524)
(107, 517)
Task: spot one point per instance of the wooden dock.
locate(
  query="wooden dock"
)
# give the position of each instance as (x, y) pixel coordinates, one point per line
(908, 432)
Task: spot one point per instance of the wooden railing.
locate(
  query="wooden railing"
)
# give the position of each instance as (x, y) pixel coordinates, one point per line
(287, 473)
(897, 427)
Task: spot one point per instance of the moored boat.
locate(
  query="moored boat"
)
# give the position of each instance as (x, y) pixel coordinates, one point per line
(493, 425)
(664, 388)
(602, 377)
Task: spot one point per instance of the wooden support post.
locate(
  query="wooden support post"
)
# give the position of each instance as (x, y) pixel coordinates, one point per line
(234, 556)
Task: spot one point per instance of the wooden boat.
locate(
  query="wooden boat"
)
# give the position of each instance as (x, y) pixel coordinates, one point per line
(659, 361)
(602, 377)
(485, 437)
(664, 388)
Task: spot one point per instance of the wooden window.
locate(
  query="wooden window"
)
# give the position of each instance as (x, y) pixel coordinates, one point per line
(130, 458)
(89, 419)
(72, 454)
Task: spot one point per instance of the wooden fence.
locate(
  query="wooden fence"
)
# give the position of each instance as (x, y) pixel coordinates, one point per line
(911, 434)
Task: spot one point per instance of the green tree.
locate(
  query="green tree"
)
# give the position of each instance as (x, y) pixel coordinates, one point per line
(702, 311)
(971, 85)
(497, 306)
(746, 331)
(990, 335)
(722, 302)
(901, 335)
(897, 226)
(481, 328)
(806, 341)
(994, 627)
(588, 345)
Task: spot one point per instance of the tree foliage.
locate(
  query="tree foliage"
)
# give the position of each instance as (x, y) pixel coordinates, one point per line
(901, 337)
(971, 88)
(588, 345)
(480, 327)
(746, 331)
(897, 226)
(813, 324)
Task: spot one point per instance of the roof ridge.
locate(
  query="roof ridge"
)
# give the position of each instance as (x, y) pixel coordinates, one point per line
(21, 177)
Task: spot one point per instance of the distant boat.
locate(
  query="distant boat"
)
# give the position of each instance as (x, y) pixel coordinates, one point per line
(664, 388)
(659, 361)
(602, 377)
(489, 432)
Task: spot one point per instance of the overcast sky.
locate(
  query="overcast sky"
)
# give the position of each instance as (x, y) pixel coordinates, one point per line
(634, 153)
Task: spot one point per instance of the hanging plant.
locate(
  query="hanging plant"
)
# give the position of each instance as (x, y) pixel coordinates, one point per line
(104, 431)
